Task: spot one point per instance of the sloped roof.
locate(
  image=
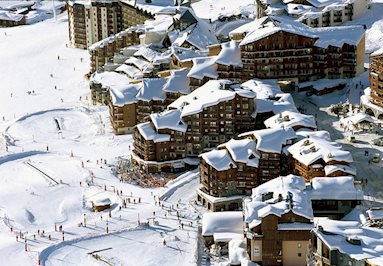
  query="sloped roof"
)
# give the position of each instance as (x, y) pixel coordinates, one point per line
(278, 188)
(304, 151)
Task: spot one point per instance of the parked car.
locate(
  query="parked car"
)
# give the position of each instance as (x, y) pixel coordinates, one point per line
(378, 141)
(376, 158)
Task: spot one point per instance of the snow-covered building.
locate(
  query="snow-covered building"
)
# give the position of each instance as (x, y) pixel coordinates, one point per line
(314, 156)
(279, 215)
(133, 102)
(192, 124)
(172, 26)
(279, 218)
(315, 13)
(372, 100)
(347, 243)
(238, 166)
(334, 197)
(92, 21)
(11, 19)
(311, 52)
(222, 227)
(358, 121)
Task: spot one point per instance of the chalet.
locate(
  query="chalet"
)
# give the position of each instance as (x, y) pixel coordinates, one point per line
(278, 221)
(375, 217)
(222, 227)
(101, 204)
(11, 19)
(315, 157)
(372, 100)
(346, 243)
(334, 197)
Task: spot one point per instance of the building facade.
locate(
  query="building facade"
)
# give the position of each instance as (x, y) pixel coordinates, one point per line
(372, 102)
(92, 21)
(210, 119)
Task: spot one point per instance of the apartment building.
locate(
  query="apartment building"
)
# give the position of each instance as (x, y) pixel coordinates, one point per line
(315, 13)
(131, 102)
(238, 166)
(92, 21)
(201, 120)
(372, 101)
(101, 52)
(283, 49)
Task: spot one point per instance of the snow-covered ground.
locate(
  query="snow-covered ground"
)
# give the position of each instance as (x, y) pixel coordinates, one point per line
(52, 143)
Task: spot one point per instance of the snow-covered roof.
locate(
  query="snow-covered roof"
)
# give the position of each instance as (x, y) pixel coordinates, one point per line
(222, 222)
(279, 103)
(107, 79)
(335, 36)
(331, 168)
(304, 133)
(230, 54)
(298, 9)
(335, 233)
(124, 94)
(279, 190)
(187, 54)
(290, 119)
(357, 118)
(152, 90)
(322, 84)
(219, 159)
(131, 71)
(264, 88)
(204, 67)
(377, 52)
(267, 28)
(10, 16)
(308, 151)
(170, 119)
(141, 64)
(178, 81)
(335, 188)
(242, 151)
(101, 201)
(201, 35)
(150, 7)
(248, 27)
(214, 10)
(375, 213)
(210, 94)
(272, 140)
(147, 131)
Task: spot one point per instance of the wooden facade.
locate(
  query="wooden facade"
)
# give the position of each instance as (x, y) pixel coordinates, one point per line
(376, 80)
(316, 169)
(208, 128)
(269, 245)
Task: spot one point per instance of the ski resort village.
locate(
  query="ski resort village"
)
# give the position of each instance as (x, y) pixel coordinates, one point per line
(191, 132)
